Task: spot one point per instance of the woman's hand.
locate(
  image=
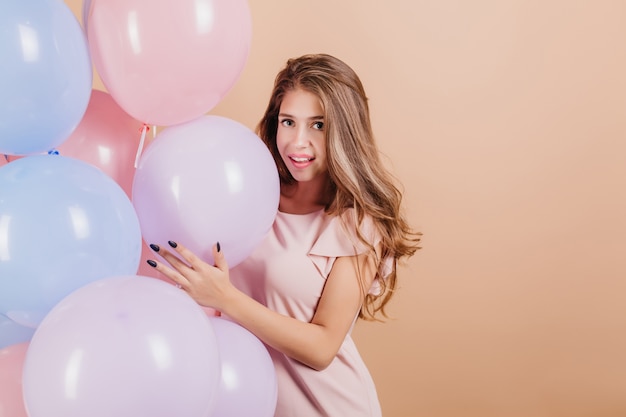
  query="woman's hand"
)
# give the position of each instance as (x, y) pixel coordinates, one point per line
(313, 343)
(208, 285)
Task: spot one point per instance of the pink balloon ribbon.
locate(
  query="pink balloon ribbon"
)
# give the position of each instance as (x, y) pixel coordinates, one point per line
(144, 129)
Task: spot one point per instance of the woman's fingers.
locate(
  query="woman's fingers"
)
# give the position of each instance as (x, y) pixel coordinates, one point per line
(218, 256)
(191, 258)
(179, 270)
(185, 263)
(187, 269)
(175, 276)
(205, 283)
(172, 259)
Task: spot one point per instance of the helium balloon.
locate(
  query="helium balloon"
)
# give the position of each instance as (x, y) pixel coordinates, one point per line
(106, 137)
(63, 223)
(123, 346)
(205, 181)
(45, 76)
(12, 333)
(206, 43)
(11, 365)
(248, 384)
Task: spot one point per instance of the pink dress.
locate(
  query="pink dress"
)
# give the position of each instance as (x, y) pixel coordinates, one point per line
(287, 272)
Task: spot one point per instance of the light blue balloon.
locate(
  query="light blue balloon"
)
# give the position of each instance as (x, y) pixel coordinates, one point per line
(63, 224)
(45, 75)
(12, 333)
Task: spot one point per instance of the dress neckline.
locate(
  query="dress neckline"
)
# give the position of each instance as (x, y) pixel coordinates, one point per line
(301, 214)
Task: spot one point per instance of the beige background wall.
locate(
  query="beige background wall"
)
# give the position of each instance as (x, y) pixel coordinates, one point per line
(506, 122)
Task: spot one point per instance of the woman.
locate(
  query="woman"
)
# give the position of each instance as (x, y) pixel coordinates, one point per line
(332, 252)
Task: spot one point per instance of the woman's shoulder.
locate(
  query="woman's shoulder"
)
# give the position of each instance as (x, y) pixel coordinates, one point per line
(339, 237)
(340, 233)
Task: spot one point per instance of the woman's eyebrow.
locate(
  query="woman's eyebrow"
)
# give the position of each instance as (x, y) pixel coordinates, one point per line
(293, 117)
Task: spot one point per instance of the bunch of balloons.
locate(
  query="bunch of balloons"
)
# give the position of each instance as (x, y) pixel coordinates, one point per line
(85, 328)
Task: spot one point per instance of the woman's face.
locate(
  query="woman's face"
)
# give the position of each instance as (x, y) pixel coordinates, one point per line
(301, 137)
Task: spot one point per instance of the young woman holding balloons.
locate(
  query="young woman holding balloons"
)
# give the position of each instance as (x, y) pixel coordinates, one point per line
(331, 254)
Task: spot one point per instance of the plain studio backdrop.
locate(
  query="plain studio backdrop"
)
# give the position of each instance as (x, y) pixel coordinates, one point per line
(506, 123)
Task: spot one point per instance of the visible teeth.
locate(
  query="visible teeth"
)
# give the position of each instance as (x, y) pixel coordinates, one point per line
(301, 159)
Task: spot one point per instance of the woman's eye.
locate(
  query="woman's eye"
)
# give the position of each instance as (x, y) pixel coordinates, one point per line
(286, 122)
(318, 125)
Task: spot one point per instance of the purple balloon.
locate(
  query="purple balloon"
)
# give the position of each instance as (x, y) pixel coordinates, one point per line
(123, 346)
(204, 181)
(248, 383)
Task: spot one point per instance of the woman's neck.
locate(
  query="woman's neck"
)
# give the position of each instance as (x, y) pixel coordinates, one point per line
(303, 197)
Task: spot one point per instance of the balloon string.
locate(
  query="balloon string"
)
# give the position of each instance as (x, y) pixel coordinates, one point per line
(144, 130)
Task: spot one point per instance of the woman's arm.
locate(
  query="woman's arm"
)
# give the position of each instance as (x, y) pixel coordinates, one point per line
(315, 344)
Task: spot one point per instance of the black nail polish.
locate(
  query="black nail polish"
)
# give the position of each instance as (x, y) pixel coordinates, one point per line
(151, 263)
(219, 248)
(154, 247)
(172, 244)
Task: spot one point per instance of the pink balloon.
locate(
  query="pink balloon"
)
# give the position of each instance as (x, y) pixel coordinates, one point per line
(204, 181)
(106, 137)
(248, 385)
(167, 62)
(124, 346)
(11, 363)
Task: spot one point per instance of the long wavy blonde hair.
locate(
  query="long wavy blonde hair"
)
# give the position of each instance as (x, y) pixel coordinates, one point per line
(358, 178)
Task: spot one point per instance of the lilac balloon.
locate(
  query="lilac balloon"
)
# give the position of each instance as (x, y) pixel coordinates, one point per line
(248, 383)
(123, 346)
(204, 181)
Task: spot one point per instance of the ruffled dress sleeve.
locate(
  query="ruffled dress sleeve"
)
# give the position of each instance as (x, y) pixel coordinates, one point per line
(338, 238)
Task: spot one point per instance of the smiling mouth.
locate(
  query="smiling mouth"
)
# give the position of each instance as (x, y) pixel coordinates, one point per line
(300, 159)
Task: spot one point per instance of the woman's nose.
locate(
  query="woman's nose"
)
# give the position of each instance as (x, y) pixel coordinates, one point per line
(301, 138)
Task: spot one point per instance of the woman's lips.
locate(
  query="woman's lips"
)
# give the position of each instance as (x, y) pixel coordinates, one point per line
(301, 161)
